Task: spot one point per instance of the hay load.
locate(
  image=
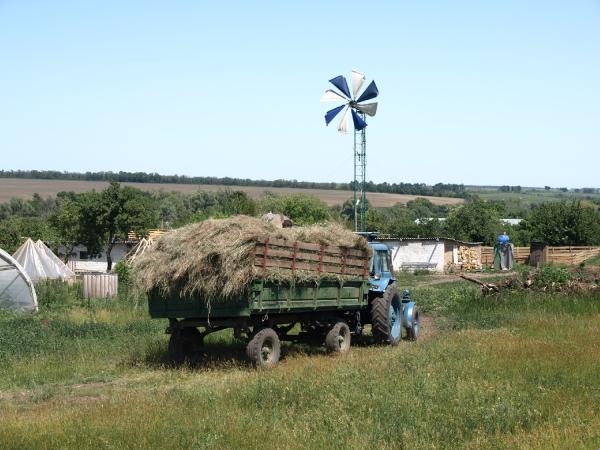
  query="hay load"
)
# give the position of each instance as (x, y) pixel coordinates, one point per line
(217, 259)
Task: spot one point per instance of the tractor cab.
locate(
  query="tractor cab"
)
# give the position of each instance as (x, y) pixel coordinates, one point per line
(381, 273)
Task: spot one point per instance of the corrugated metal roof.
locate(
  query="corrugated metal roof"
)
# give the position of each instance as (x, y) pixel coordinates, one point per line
(390, 238)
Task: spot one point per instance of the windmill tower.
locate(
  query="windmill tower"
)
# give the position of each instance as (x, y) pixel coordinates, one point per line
(359, 111)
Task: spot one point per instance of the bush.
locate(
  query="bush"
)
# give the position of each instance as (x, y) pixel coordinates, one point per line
(552, 277)
(56, 294)
(124, 271)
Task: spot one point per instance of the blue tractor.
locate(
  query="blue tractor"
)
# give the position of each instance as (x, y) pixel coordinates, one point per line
(389, 311)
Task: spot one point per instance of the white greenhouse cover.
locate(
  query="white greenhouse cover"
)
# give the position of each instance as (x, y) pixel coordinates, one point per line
(16, 288)
(65, 272)
(39, 265)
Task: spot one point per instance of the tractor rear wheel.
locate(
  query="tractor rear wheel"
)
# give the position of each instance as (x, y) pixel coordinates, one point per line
(264, 349)
(338, 338)
(386, 317)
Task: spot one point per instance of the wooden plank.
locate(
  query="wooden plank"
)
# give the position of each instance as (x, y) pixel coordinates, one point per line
(303, 256)
(287, 264)
(317, 248)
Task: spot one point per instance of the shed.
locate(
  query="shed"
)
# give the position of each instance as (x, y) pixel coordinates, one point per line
(437, 254)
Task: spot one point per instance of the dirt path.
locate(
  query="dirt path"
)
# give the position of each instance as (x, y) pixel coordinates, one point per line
(439, 279)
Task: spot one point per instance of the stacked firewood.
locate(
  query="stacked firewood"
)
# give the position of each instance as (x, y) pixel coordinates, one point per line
(469, 258)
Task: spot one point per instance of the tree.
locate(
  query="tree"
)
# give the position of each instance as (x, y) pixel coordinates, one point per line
(564, 223)
(67, 222)
(121, 210)
(14, 231)
(301, 208)
(476, 222)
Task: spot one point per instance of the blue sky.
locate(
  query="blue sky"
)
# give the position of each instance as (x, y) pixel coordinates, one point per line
(471, 92)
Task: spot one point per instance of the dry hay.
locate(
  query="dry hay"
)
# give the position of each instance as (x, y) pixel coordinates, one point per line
(214, 259)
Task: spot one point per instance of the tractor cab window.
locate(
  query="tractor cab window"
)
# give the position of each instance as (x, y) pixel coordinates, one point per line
(383, 258)
(379, 262)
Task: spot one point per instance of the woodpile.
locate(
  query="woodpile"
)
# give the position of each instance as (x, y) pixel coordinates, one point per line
(469, 258)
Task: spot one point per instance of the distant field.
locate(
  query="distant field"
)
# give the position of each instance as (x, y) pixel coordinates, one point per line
(23, 188)
(531, 196)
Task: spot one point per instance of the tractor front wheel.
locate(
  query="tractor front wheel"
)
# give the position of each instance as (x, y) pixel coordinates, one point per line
(412, 333)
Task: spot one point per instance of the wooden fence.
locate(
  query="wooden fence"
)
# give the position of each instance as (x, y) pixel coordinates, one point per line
(521, 255)
(569, 255)
(287, 255)
(100, 285)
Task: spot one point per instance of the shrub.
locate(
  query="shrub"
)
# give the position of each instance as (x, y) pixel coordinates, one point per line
(552, 277)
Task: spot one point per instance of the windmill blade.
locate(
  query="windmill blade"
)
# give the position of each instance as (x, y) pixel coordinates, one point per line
(341, 83)
(368, 108)
(357, 81)
(343, 128)
(332, 96)
(359, 123)
(329, 115)
(370, 92)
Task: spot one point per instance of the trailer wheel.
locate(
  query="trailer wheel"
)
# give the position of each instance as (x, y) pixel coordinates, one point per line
(264, 348)
(386, 317)
(182, 345)
(338, 338)
(412, 333)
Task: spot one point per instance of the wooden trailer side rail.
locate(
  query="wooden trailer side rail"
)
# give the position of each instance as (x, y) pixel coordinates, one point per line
(288, 255)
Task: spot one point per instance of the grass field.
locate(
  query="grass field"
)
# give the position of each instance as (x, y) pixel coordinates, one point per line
(23, 188)
(509, 372)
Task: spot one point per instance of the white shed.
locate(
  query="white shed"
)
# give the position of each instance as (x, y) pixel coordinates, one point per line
(435, 254)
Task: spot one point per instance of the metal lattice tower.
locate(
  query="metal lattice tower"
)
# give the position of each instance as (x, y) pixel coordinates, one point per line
(360, 178)
(359, 111)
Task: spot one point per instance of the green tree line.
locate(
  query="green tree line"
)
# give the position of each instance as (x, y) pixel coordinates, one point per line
(439, 189)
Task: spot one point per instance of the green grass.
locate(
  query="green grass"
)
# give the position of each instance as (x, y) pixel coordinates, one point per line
(499, 372)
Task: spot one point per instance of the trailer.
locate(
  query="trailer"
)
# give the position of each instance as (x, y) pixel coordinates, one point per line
(355, 288)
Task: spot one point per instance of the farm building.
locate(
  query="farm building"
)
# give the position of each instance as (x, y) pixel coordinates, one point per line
(81, 261)
(435, 254)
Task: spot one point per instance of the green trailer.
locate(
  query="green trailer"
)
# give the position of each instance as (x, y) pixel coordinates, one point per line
(327, 311)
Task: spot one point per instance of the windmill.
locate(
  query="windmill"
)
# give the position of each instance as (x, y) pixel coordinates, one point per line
(353, 105)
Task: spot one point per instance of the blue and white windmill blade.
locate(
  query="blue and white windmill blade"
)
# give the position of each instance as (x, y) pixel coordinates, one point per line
(332, 96)
(357, 81)
(370, 92)
(359, 123)
(369, 109)
(341, 83)
(343, 128)
(330, 115)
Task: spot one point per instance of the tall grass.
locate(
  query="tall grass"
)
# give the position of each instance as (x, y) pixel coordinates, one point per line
(506, 372)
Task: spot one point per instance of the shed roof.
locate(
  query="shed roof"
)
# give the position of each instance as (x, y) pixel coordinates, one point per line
(392, 239)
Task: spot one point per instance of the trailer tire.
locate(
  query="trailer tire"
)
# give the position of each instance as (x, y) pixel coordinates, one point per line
(386, 317)
(412, 333)
(264, 349)
(338, 338)
(183, 345)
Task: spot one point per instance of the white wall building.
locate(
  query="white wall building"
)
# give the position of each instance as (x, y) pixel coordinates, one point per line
(435, 254)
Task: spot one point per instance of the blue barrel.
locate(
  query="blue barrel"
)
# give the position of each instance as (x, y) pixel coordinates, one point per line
(503, 239)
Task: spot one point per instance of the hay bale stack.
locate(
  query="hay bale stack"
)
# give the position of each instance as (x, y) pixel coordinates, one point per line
(214, 259)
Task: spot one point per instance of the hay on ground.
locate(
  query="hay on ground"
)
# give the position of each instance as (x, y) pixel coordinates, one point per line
(214, 259)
